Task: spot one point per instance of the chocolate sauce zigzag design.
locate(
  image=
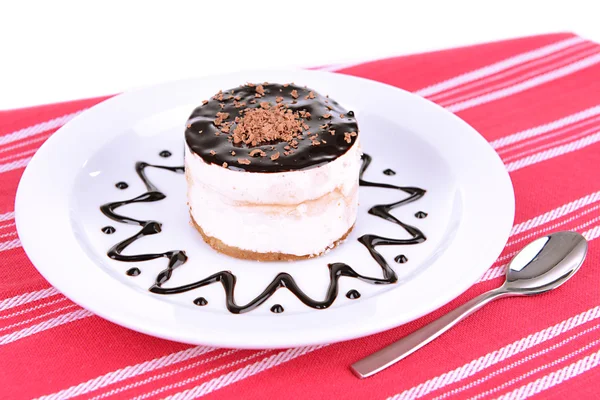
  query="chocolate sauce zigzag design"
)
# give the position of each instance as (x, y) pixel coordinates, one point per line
(150, 227)
(282, 280)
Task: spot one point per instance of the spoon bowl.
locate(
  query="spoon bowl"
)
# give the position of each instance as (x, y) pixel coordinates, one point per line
(545, 264)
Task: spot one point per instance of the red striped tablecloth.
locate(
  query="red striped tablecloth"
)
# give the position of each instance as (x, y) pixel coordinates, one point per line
(537, 100)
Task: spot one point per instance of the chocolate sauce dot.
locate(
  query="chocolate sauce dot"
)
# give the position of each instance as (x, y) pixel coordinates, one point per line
(421, 215)
(401, 259)
(277, 309)
(389, 172)
(133, 272)
(121, 185)
(350, 113)
(109, 230)
(353, 294)
(165, 153)
(200, 301)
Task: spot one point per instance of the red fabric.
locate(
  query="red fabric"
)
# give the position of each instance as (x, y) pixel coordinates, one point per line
(547, 346)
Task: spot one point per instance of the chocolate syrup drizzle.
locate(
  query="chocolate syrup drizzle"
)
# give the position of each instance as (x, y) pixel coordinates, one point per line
(282, 280)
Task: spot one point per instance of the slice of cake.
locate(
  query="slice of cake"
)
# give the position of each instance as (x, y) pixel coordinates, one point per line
(272, 172)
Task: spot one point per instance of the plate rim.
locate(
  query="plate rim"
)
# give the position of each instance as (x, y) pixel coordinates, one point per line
(128, 319)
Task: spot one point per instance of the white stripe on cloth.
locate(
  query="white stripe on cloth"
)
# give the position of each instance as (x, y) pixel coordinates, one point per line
(23, 143)
(179, 370)
(18, 155)
(27, 298)
(555, 213)
(553, 152)
(507, 159)
(7, 216)
(498, 66)
(548, 127)
(26, 321)
(42, 326)
(497, 356)
(522, 361)
(593, 121)
(515, 71)
(9, 166)
(129, 372)
(201, 375)
(525, 85)
(7, 225)
(577, 45)
(11, 244)
(38, 128)
(8, 234)
(243, 373)
(36, 307)
(461, 97)
(554, 378)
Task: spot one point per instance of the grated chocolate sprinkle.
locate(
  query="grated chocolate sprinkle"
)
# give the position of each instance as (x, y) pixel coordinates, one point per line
(267, 124)
(257, 151)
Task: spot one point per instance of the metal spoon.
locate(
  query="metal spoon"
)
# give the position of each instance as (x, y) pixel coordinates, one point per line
(543, 265)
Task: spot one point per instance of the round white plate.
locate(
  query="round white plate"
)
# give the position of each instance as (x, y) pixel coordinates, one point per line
(469, 201)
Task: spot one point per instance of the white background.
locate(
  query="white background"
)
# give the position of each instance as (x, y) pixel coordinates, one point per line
(62, 50)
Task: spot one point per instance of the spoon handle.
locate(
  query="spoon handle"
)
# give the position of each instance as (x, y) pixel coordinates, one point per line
(398, 350)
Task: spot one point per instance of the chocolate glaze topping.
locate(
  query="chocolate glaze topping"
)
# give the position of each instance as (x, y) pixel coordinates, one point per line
(121, 185)
(353, 294)
(421, 215)
(227, 279)
(327, 129)
(133, 271)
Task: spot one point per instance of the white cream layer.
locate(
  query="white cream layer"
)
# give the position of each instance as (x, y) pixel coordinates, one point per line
(298, 212)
